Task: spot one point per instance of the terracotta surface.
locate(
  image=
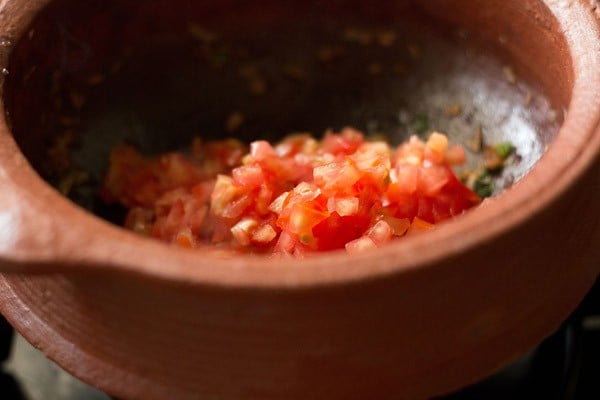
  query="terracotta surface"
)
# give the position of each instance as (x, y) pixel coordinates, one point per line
(424, 316)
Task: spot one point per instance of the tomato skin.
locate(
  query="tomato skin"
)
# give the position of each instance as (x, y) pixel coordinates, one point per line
(335, 231)
(458, 197)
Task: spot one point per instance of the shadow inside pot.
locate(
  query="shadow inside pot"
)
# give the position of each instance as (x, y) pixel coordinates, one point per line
(89, 76)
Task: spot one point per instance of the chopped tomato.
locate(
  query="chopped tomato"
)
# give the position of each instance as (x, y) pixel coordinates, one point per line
(335, 231)
(184, 238)
(380, 233)
(261, 150)
(264, 235)
(418, 225)
(432, 179)
(250, 176)
(399, 226)
(292, 198)
(344, 206)
(345, 143)
(336, 177)
(302, 218)
(360, 245)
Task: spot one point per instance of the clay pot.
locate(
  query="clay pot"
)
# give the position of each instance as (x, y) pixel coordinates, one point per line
(420, 317)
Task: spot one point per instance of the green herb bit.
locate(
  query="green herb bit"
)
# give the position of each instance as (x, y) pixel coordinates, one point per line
(504, 149)
(484, 186)
(422, 124)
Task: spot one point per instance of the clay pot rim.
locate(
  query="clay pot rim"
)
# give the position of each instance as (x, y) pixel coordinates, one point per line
(95, 245)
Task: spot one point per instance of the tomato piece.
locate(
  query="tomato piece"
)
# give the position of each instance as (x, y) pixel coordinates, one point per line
(404, 180)
(130, 180)
(237, 207)
(185, 238)
(411, 153)
(436, 147)
(380, 233)
(378, 177)
(344, 143)
(425, 209)
(304, 193)
(335, 231)
(221, 154)
(302, 219)
(263, 199)
(399, 226)
(166, 227)
(175, 170)
(432, 179)
(336, 177)
(458, 197)
(262, 150)
(277, 205)
(405, 206)
(264, 235)
(202, 191)
(243, 230)
(285, 244)
(249, 176)
(372, 154)
(418, 226)
(344, 206)
(195, 214)
(297, 143)
(228, 200)
(360, 245)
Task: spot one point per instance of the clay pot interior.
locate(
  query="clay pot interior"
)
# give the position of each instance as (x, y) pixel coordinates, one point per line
(157, 73)
(142, 320)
